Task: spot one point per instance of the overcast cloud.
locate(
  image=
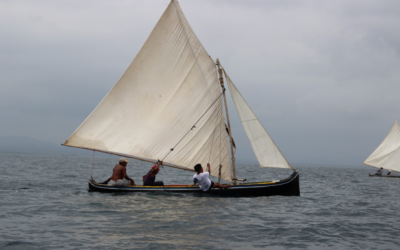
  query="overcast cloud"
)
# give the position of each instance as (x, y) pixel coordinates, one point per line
(323, 77)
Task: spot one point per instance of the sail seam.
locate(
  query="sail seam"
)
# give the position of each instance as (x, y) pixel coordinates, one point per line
(180, 13)
(250, 120)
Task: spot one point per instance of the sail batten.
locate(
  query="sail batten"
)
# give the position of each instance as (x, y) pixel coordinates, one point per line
(387, 154)
(169, 85)
(266, 151)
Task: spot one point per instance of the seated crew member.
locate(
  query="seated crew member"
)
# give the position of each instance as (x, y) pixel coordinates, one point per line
(390, 172)
(150, 177)
(379, 172)
(203, 179)
(119, 176)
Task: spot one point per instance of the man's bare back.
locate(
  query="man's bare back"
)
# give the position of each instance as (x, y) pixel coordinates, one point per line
(119, 173)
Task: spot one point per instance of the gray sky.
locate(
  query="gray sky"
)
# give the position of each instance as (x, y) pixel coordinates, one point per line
(323, 77)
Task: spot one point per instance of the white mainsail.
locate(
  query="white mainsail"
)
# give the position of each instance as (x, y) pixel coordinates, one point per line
(266, 151)
(387, 155)
(170, 85)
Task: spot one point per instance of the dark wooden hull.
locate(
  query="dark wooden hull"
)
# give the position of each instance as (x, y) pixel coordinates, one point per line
(287, 187)
(386, 176)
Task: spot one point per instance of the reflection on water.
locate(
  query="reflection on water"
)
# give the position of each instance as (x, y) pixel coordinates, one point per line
(45, 205)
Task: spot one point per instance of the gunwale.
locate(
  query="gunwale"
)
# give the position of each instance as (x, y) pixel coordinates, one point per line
(385, 176)
(287, 187)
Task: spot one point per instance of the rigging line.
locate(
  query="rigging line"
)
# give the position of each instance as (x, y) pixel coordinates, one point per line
(194, 126)
(212, 141)
(228, 79)
(91, 175)
(221, 111)
(220, 133)
(221, 73)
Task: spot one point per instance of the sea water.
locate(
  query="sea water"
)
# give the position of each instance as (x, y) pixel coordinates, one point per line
(45, 204)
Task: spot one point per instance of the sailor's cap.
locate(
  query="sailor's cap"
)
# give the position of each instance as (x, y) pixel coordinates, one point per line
(122, 160)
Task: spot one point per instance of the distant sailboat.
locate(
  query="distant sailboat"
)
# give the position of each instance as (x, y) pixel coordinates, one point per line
(169, 105)
(387, 155)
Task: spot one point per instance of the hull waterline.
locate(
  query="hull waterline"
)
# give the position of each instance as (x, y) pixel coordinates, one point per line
(385, 176)
(287, 187)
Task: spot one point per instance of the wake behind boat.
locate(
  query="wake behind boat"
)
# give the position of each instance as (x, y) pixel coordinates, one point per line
(170, 104)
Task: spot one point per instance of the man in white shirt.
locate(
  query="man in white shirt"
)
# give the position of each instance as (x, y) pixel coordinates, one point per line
(203, 178)
(379, 172)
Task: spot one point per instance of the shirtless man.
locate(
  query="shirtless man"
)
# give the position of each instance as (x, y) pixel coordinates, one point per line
(119, 176)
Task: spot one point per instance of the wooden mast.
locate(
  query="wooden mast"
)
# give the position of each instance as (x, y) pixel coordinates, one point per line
(221, 81)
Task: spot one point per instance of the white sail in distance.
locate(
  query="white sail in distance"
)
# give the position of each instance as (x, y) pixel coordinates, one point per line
(387, 155)
(267, 153)
(170, 86)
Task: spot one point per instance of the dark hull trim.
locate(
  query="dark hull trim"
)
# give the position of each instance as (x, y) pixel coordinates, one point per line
(386, 176)
(287, 187)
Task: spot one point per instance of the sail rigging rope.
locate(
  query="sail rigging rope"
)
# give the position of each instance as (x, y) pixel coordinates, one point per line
(91, 175)
(214, 132)
(194, 126)
(212, 141)
(220, 138)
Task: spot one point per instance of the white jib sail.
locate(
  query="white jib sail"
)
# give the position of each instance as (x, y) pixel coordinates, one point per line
(169, 85)
(264, 148)
(387, 155)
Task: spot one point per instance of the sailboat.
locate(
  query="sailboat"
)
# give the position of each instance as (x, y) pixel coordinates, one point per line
(387, 155)
(170, 105)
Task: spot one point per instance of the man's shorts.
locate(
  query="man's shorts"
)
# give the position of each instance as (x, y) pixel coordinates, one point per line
(212, 185)
(120, 182)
